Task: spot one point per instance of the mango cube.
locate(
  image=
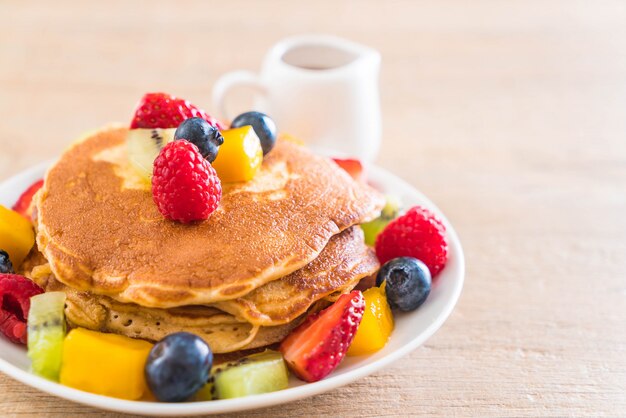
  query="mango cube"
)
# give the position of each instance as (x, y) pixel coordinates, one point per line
(376, 325)
(240, 156)
(16, 235)
(105, 364)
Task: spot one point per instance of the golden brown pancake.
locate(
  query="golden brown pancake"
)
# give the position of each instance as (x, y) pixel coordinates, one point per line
(223, 332)
(263, 317)
(101, 232)
(339, 267)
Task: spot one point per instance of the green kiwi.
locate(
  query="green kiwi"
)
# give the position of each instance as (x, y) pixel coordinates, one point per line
(144, 146)
(255, 374)
(46, 332)
(373, 228)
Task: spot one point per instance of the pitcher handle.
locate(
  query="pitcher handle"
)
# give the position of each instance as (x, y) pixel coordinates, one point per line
(226, 83)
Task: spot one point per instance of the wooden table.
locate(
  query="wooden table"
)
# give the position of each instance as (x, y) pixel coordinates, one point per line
(510, 115)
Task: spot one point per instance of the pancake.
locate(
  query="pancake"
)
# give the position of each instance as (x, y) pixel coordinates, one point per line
(263, 317)
(222, 332)
(101, 232)
(340, 266)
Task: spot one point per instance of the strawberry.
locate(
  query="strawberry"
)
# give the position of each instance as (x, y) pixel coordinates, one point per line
(161, 110)
(22, 206)
(317, 346)
(352, 167)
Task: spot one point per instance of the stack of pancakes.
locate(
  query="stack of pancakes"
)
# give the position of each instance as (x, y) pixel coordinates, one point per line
(280, 246)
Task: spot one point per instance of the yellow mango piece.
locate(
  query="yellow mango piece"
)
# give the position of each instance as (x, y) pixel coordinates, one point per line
(16, 235)
(240, 156)
(105, 364)
(376, 325)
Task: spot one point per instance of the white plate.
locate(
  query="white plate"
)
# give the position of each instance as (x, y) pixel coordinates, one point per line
(412, 329)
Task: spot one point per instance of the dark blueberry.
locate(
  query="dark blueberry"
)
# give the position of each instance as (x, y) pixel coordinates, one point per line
(198, 131)
(178, 366)
(5, 263)
(408, 282)
(263, 126)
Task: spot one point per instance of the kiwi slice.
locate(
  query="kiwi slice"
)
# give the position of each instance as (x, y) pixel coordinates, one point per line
(252, 375)
(46, 331)
(389, 213)
(144, 146)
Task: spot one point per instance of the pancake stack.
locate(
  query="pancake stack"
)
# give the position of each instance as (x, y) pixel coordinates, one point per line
(279, 247)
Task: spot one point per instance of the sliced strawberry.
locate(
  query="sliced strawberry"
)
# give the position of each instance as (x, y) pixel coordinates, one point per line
(317, 346)
(15, 294)
(22, 206)
(353, 167)
(162, 110)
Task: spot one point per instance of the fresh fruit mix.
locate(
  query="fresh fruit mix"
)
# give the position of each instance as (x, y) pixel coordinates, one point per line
(186, 155)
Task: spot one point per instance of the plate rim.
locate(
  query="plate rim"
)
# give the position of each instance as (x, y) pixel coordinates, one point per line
(255, 401)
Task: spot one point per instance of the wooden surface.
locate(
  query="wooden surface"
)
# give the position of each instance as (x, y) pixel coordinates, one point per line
(510, 115)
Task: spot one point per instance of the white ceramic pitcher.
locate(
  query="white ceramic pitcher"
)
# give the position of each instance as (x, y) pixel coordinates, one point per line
(320, 88)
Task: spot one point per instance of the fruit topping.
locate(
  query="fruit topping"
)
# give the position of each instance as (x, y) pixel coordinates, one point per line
(144, 146)
(16, 235)
(240, 156)
(185, 187)
(373, 228)
(15, 294)
(407, 281)
(263, 125)
(251, 375)
(6, 267)
(154, 124)
(376, 325)
(46, 332)
(206, 137)
(178, 366)
(352, 167)
(418, 233)
(105, 364)
(317, 346)
(161, 110)
(22, 206)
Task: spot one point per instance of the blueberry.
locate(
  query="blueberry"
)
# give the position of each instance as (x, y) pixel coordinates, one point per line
(178, 366)
(408, 282)
(198, 131)
(263, 126)
(5, 263)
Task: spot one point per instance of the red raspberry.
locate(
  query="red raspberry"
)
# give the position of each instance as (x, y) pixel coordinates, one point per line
(419, 234)
(185, 187)
(161, 110)
(15, 294)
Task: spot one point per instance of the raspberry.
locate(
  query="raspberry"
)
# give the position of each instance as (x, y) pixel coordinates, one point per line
(15, 294)
(185, 187)
(419, 234)
(161, 110)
